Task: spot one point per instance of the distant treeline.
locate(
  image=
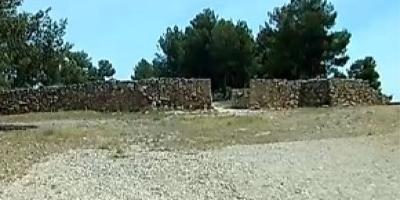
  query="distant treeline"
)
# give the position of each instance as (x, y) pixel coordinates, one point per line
(296, 42)
(33, 51)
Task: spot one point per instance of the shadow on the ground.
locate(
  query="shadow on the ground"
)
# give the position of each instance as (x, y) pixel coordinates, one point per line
(14, 127)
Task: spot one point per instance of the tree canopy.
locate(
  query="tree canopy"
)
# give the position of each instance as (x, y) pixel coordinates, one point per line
(105, 70)
(298, 41)
(144, 70)
(365, 69)
(210, 47)
(33, 51)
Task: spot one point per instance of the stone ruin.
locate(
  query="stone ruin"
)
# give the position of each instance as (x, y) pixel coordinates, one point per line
(283, 94)
(274, 94)
(188, 94)
(354, 92)
(240, 98)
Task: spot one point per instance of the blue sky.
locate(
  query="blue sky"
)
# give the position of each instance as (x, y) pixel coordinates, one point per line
(124, 31)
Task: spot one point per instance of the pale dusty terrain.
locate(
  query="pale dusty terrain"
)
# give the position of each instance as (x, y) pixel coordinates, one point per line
(351, 153)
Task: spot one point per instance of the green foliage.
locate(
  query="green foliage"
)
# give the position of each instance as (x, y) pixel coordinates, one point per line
(198, 62)
(36, 50)
(105, 70)
(172, 46)
(209, 47)
(8, 19)
(297, 41)
(144, 70)
(233, 53)
(75, 68)
(366, 69)
(33, 51)
(33, 48)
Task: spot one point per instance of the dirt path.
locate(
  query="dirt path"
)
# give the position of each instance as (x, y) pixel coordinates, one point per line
(347, 168)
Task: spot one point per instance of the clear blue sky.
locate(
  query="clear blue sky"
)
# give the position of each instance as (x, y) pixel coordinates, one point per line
(124, 31)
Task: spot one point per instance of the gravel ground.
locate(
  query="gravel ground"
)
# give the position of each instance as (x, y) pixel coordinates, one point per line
(348, 168)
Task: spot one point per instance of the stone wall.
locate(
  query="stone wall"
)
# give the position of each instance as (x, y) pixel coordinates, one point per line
(240, 98)
(283, 94)
(274, 94)
(354, 92)
(314, 93)
(188, 94)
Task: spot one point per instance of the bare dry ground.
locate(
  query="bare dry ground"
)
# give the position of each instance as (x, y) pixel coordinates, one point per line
(325, 153)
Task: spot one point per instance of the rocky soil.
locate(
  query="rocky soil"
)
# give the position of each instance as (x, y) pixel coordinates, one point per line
(303, 154)
(357, 168)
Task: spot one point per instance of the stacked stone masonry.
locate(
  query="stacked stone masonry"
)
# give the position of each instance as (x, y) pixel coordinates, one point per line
(240, 98)
(354, 92)
(188, 94)
(283, 94)
(314, 93)
(274, 94)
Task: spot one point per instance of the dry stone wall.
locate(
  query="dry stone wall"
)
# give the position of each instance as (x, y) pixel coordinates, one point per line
(283, 94)
(354, 92)
(240, 98)
(274, 94)
(314, 93)
(190, 94)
